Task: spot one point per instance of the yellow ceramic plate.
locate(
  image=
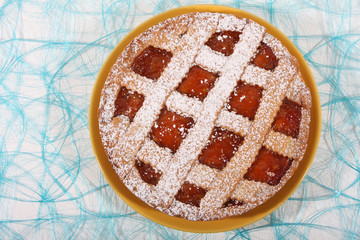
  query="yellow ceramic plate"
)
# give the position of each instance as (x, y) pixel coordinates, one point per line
(218, 225)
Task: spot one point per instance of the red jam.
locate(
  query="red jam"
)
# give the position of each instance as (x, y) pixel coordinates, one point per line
(128, 103)
(232, 202)
(197, 83)
(224, 41)
(170, 129)
(147, 173)
(265, 58)
(151, 62)
(268, 167)
(245, 100)
(190, 194)
(287, 120)
(221, 148)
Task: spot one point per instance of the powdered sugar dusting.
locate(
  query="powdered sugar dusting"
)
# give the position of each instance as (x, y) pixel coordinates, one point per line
(152, 105)
(118, 126)
(125, 141)
(278, 49)
(304, 125)
(250, 191)
(202, 175)
(238, 165)
(177, 209)
(210, 59)
(284, 145)
(155, 155)
(191, 146)
(299, 93)
(135, 82)
(233, 122)
(256, 76)
(231, 23)
(140, 188)
(107, 104)
(244, 50)
(183, 104)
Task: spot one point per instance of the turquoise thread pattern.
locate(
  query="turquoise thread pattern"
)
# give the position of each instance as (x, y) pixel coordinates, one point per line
(50, 184)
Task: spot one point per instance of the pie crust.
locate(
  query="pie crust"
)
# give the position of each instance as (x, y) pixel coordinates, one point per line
(161, 126)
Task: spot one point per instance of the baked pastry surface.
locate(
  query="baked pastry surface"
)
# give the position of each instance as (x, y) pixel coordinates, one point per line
(205, 116)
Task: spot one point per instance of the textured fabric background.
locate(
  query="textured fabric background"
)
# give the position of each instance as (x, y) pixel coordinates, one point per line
(50, 184)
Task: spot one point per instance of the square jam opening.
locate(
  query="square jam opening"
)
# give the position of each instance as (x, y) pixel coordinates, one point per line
(287, 120)
(268, 167)
(265, 58)
(151, 62)
(190, 194)
(221, 147)
(197, 83)
(147, 173)
(128, 103)
(170, 129)
(224, 42)
(245, 100)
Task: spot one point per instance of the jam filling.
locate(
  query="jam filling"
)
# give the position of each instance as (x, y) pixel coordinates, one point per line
(128, 103)
(197, 83)
(224, 42)
(190, 194)
(287, 120)
(245, 100)
(265, 58)
(147, 173)
(232, 202)
(221, 147)
(170, 129)
(151, 62)
(268, 167)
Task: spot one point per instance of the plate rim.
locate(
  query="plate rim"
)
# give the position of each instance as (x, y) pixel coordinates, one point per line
(214, 226)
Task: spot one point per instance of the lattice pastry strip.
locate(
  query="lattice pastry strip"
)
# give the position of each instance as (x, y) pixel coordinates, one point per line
(225, 183)
(153, 154)
(247, 195)
(250, 191)
(190, 41)
(202, 175)
(183, 104)
(233, 122)
(180, 62)
(119, 124)
(168, 30)
(233, 56)
(132, 81)
(276, 46)
(256, 76)
(231, 23)
(284, 145)
(210, 59)
(247, 191)
(191, 146)
(299, 93)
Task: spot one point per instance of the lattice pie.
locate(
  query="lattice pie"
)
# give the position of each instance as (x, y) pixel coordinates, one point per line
(205, 116)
